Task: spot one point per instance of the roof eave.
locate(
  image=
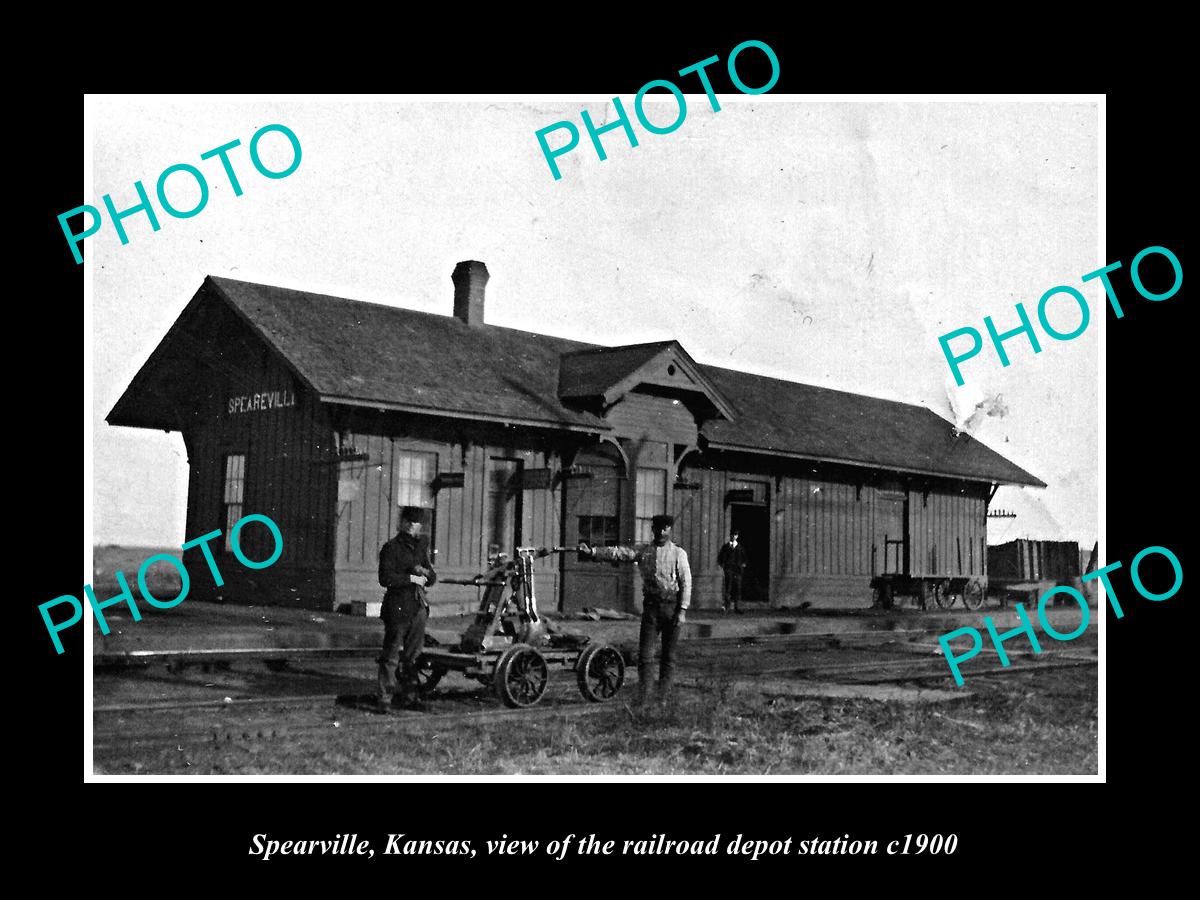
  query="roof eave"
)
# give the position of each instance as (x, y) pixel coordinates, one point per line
(555, 424)
(715, 396)
(117, 419)
(989, 479)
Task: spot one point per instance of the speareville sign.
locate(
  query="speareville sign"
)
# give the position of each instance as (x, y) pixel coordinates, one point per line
(259, 402)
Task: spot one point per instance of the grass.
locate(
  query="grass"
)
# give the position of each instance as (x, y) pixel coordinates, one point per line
(1021, 723)
(107, 559)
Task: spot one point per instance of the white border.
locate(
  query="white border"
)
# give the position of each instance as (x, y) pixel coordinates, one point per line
(169, 99)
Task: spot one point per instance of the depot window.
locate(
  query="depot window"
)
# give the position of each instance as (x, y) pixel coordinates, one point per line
(414, 478)
(598, 531)
(233, 497)
(651, 501)
(594, 500)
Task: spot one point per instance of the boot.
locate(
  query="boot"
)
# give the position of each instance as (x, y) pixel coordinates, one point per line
(666, 690)
(381, 705)
(643, 692)
(410, 698)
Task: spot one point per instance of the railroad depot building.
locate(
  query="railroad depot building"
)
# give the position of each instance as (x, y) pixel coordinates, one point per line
(329, 415)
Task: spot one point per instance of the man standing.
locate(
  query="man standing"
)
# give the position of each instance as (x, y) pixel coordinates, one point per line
(405, 570)
(666, 596)
(732, 560)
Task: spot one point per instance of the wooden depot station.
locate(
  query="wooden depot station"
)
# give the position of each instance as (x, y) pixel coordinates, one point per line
(329, 415)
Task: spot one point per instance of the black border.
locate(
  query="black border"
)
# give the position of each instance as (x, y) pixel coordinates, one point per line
(1147, 443)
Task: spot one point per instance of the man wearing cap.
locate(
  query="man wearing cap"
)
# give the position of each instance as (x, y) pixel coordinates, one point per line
(405, 569)
(666, 596)
(732, 560)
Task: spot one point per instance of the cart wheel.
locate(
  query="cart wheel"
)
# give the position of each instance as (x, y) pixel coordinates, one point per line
(521, 676)
(974, 594)
(600, 672)
(428, 676)
(933, 595)
(944, 596)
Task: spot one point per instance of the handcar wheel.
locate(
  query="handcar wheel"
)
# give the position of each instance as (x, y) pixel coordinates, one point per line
(521, 676)
(974, 594)
(600, 672)
(428, 676)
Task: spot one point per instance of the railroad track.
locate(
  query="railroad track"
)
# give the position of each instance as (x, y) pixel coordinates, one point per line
(894, 668)
(780, 642)
(354, 717)
(185, 657)
(111, 732)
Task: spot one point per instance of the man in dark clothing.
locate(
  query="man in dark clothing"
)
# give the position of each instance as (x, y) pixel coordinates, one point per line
(405, 569)
(732, 560)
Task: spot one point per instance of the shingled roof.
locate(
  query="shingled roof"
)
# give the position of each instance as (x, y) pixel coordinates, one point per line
(592, 370)
(792, 419)
(368, 353)
(365, 353)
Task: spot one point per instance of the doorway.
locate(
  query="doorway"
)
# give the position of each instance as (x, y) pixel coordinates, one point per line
(891, 536)
(592, 511)
(753, 525)
(502, 523)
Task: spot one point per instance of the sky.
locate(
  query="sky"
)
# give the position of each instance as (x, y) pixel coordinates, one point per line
(827, 243)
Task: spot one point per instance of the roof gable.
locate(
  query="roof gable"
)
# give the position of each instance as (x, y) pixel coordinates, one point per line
(611, 372)
(210, 346)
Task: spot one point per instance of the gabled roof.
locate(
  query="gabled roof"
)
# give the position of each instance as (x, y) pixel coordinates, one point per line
(591, 371)
(351, 352)
(792, 419)
(371, 354)
(611, 372)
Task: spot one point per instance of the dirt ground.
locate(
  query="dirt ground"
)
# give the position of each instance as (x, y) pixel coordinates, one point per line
(755, 707)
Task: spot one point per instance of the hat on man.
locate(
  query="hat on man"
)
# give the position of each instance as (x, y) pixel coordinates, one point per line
(662, 521)
(412, 514)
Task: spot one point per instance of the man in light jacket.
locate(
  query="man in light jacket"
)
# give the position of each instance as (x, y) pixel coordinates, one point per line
(666, 596)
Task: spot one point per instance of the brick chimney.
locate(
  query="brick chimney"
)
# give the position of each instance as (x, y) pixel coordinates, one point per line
(470, 278)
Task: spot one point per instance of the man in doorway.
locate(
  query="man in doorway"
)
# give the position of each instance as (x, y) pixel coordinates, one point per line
(666, 596)
(406, 570)
(732, 560)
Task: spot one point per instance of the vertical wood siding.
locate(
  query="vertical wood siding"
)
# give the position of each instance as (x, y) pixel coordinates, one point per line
(372, 517)
(947, 530)
(822, 527)
(826, 524)
(285, 478)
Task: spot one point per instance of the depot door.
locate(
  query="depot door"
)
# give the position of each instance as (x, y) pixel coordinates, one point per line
(592, 508)
(502, 523)
(891, 535)
(753, 525)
